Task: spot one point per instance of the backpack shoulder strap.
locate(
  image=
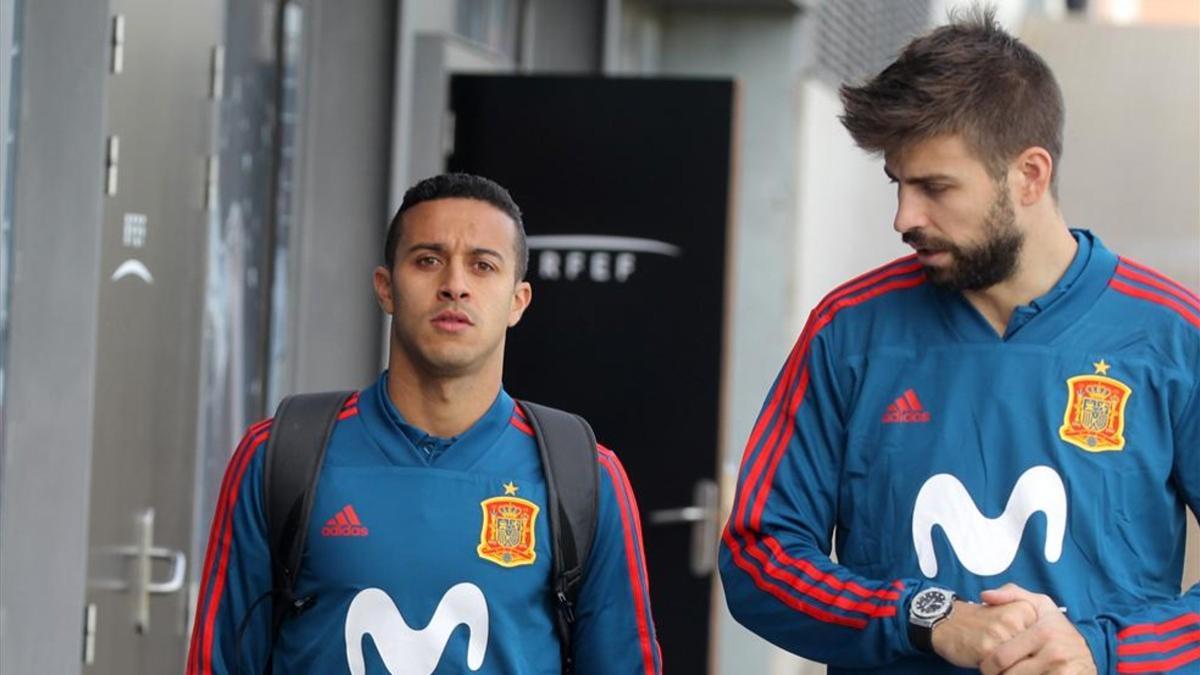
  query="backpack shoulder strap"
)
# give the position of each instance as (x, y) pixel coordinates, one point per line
(295, 452)
(569, 461)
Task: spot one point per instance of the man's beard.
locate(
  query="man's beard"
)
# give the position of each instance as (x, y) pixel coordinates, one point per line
(977, 267)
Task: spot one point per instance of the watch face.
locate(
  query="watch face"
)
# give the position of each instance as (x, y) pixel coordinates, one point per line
(930, 603)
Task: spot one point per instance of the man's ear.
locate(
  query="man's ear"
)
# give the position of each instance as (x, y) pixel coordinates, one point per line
(522, 296)
(382, 278)
(1034, 169)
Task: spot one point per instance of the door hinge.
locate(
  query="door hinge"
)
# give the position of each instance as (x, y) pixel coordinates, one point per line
(118, 45)
(211, 176)
(216, 79)
(111, 165)
(89, 633)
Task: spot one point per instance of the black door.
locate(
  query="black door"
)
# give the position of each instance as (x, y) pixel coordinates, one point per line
(624, 184)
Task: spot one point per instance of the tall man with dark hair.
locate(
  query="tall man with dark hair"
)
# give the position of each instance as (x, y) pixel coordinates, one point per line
(1003, 429)
(429, 527)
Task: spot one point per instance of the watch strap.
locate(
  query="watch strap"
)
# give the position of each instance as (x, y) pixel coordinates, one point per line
(921, 637)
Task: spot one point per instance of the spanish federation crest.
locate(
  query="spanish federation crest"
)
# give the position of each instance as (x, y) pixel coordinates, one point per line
(507, 536)
(1095, 416)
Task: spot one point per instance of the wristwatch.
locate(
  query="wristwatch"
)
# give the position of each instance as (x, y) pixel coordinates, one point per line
(929, 607)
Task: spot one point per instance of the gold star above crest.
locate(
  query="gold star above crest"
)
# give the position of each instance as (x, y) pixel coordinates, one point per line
(509, 488)
(1101, 367)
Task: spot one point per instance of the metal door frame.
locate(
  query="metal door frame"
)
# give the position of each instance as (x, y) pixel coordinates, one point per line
(51, 361)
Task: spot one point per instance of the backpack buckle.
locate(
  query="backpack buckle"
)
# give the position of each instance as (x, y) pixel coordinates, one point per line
(568, 609)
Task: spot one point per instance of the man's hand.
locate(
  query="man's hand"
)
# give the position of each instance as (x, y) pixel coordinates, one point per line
(1051, 646)
(972, 632)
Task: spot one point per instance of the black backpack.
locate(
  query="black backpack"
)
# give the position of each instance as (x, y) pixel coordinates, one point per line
(296, 450)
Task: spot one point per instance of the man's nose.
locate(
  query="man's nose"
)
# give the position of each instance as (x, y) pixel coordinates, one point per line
(910, 213)
(454, 283)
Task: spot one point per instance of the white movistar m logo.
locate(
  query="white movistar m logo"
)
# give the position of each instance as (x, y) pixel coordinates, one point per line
(987, 546)
(415, 652)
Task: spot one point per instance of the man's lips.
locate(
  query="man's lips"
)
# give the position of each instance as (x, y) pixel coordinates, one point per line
(925, 249)
(452, 320)
(921, 243)
(928, 255)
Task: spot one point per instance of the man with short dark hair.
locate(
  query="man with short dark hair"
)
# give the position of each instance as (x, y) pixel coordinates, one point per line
(429, 530)
(1003, 430)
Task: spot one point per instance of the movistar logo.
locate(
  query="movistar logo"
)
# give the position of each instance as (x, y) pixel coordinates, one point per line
(600, 258)
(406, 651)
(988, 546)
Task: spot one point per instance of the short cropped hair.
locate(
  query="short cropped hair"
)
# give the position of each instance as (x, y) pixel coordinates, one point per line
(459, 186)
(970, 78)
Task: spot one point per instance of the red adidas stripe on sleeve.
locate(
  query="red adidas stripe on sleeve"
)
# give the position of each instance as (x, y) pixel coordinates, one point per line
(1164, 279)
(634, 558)
(1145, 284)
(219, 541)
(764, 559)
(1159, 647)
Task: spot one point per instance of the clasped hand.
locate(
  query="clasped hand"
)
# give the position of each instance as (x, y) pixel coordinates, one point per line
(1015, 632)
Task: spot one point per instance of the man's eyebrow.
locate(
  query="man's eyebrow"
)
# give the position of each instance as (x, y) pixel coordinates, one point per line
(931, 178)
(441, 248)
(927, 178)
(427, 246)
(479, 250)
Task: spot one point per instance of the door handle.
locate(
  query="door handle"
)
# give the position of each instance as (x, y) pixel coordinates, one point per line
(141, 557)
(703, 515)
(174, 582)
(688, 514)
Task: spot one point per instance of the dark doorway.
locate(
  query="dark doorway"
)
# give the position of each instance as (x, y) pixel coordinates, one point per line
(624, 184)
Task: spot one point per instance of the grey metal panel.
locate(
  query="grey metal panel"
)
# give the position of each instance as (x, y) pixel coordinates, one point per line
(7, 11)
(48, 430)
(10, 76)
(232, 366)
(337, 238)
(148, 332)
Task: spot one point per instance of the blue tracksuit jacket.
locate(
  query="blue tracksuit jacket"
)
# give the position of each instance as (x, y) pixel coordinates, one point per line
(1060, 456)
(424, 556)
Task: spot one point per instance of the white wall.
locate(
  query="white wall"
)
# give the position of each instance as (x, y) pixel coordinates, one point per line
(1131, 161)
(759, 49)
(845, 204)
(1009, 13)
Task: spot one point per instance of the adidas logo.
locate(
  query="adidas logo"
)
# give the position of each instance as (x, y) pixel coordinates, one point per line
(344, 524)
(906, 410)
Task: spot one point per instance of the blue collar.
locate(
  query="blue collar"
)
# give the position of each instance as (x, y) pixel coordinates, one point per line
(1049, 315)
(1083, 254)
(403, 442)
